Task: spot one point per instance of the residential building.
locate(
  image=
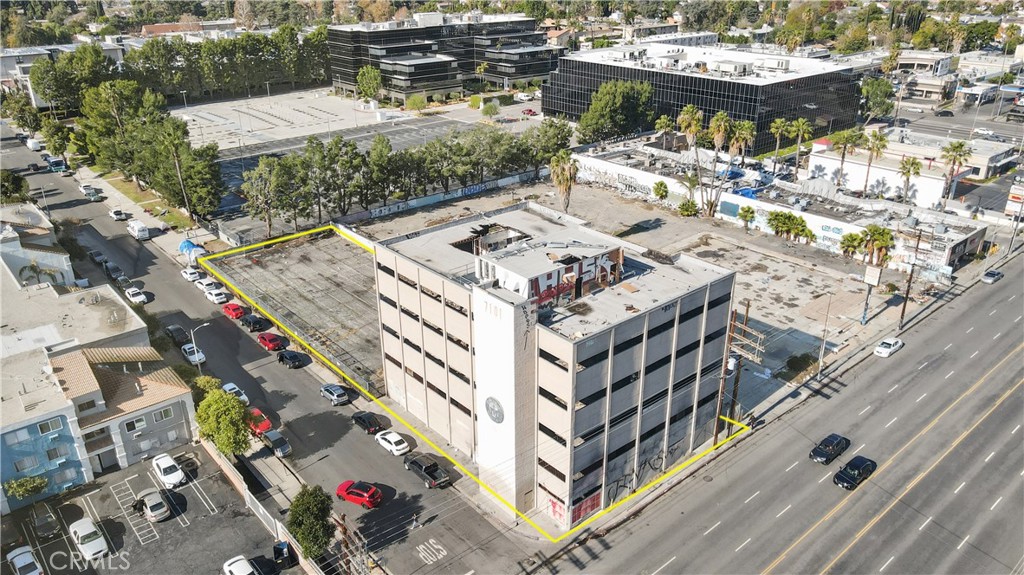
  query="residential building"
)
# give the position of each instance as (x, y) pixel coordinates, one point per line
(434, 53)
(15, 64)
(745, 84)
(181, 28)
(681, 39)
(983, 64)
(641, 31)
(571, 366)
(988, 158)
(29, 248)
(925, 62)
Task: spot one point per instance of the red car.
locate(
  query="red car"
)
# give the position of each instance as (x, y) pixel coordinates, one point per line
(529, 112)
(360, 493)
(233, 310)
(258, 423)
(270, 341)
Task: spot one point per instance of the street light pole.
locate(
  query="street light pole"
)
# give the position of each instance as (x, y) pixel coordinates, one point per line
(1013, 234)
(910, 280)
(268, 87)
(192, 335)
(184, 98)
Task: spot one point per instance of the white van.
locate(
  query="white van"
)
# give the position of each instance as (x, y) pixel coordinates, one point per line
(523, 97)
(138, 230)
(33, 144)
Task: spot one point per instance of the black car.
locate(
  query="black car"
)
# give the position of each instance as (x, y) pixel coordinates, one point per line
(33, 167)
(944, 113)
(290, 358)
(97, 257)
(177, 334)
(854, 472)
(829, 449)
(44, 521)
(252, 322)
(368, 422)
(112, 270)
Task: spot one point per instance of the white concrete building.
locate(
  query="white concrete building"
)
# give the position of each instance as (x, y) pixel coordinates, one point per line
(15, 64)
(29, 248)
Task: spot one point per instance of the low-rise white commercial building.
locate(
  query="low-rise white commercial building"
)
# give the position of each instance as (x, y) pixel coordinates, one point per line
(29, 248)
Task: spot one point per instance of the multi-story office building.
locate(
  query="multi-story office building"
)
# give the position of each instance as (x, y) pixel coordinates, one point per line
(433, 53)
(747, 85)
(571, 366)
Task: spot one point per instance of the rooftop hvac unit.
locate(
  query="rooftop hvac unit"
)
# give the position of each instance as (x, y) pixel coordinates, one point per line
(940, 228)
(801, 207)
(774, 194)
(910, 222)
(793, 200)
(804, 203)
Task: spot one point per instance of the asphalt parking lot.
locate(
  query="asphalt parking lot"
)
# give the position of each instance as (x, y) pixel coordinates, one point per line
(205, 509)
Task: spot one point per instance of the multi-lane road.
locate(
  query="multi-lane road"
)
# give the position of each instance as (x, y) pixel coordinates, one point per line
(942, 418)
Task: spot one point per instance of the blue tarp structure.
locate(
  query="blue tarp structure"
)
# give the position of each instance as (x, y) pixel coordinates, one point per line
(747, 192)
(186, 246)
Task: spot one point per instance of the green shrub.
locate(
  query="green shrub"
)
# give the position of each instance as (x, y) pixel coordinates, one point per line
(474, 101)
(25, 487)
(688, 208)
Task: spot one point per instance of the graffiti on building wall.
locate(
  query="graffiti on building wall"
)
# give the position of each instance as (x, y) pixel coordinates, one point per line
(630, 185)
(557, 509)
(629, 481)
(586, 507)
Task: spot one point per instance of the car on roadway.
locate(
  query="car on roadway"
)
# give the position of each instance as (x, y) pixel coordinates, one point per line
(168, 471)
(983, 131)
(86, 189)
(991, 277)
(529, 112)
(88, 539)
(276, 443)
(335, 393)
(291, 359)
(112, 270)
(117, 215)
(258, 422)
(94, 196)
(854, 472)
(177, 334)
(233, 310)
(191, 274)
(193, 354)
(97, 257)
(33, 167)
(238, 566)
(152, 505)
(829, 449)
(270, 341)
(208, 285)
(368, 422)
(944, 113)
(135, 295)
(236, 391)
(44, 521)
(361, 493)
(23, 562)
(252, 322)
(888, 346)
(394, 443)
(218, 296)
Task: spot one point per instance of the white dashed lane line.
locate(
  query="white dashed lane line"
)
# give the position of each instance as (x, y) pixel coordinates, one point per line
(886, 564)
(891, 422)
(859, 448)
(744, 543)
(827, 475)
(997, 335)
(892, 388)
(783, 511)
(948, 375)
(751, 497)
(974, 354)
(962, 542)
(863, 410)
(1015, 429)
(994, 504)
(992, 312)
(970, 330)
(989, 456)
(712, 528)
(922, 366)
(949, 345)
(926, 521)
(792, 466)
(957, 490)
(920, 398)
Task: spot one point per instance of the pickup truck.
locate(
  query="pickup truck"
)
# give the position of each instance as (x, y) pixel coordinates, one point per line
(428, 468)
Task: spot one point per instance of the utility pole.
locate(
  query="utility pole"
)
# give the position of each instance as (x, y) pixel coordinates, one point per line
(736, 377)
(721, 384)
(867, 298)
(1013, 234)
(910, 280)
(824, 338)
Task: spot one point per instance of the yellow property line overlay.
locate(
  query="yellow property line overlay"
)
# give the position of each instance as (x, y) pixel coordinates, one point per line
(666, 475)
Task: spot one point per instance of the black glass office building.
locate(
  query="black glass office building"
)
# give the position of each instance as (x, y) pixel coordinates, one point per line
(828, 100)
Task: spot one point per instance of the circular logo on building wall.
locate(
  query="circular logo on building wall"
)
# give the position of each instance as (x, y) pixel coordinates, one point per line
(494, 410)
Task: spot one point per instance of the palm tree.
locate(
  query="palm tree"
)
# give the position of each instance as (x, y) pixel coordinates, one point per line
(851, 243)
(664, 125)
(800, 129)
(876, 145)
(909, 167)
(877, 242)
(690, 121)
(746, 215)
(34, 272)
(720, 127)
(743, 135)
(955, 155)
(779, 128)
(690, 182)
(846, 143)
(563, 171)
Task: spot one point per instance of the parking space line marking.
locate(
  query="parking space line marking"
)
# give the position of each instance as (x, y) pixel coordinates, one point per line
(994, 504)
(970, 330)
(178, 513)
(922, 397)
(783, 511)
(656, 571)
(203, 496)
(892, 388)
(922, 366)
(886, 564)
(827, 475)
(712, 528)
(744, 543)
(925, 523)
(957, 490)
(974, 354)
(989, 456)
(792, 466)
(1015, 429)
(997, 335)
(863, 410)
(948, 345)
(859, 448)
(125, 496)
(892, 422)
(99, 524)
(747, 501)
(949, 374)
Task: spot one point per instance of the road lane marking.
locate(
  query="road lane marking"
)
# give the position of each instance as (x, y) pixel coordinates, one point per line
(1011, 298)
(891, 422)
(859, 448)
(922, 366)
(971, 329)
(842, 503)
(863, 410)
(827, 475)
(962, 542)
(949, 374)
(751, 497)
(957, 490)
(974, 354)
(1015, 429)
(991, 312)
(948, 345)
(994, 504)
(658, 570)
(1018, 318)
(997, 335)
(792, 466)
(922, 397)
(886, 564)
(892, 388)
(925, 523)
(989, 456)
(744, 543)
(712, 528)
(783, 511)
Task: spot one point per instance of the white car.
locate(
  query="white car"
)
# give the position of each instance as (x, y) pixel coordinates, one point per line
(392, 442)
(236, 391)
(90, 542)
(218, 296)
(191, 274)
(238, 566)
(208, 285)
(23, 562)
(117, 215)
(983, 131)
(193, 354)
(167, 471)
(888, 346)
(135, 295)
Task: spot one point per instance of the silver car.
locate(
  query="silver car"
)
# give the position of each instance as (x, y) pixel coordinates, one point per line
(276, 443)
(152, 505)
(991, 277)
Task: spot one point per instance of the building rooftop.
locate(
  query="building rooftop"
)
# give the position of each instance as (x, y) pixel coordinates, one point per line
(979, 146)
(27, 214)
(428, 19)
(414, 59)
(540, 241)
(707, 61)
